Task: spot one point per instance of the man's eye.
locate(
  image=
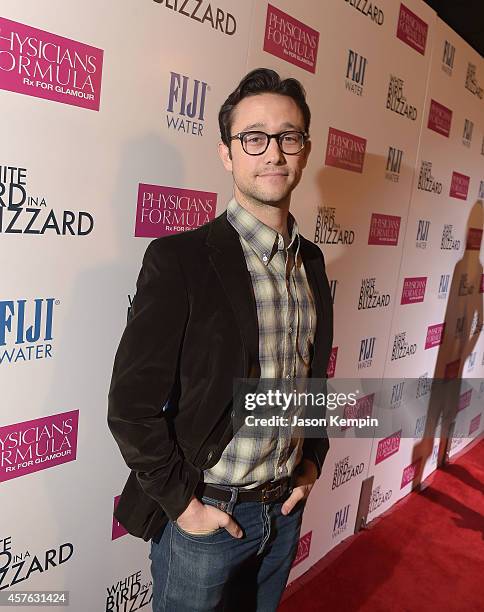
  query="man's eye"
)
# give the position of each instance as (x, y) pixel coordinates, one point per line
(257, 139)
(290, 138)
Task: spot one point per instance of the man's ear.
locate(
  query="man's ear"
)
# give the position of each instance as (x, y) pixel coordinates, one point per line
(225, 156)
(306, 151)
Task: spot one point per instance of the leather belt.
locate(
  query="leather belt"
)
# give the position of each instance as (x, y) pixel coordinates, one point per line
(266, 493)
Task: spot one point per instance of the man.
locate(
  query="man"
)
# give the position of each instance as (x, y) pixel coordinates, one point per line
(245, 296)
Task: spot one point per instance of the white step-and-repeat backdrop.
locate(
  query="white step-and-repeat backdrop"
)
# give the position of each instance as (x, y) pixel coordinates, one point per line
(108, 124)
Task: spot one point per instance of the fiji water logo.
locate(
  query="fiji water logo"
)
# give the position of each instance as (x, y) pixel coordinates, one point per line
(186, 104)
(367, 350)
(443, 286)
(396, 397)
(448, 57)
(26, 330)
(340, 523)
(423, 228)
(394, 164)
(467, 133)
(44, 65)
(38, 444)
(355, 72)
(424, 385)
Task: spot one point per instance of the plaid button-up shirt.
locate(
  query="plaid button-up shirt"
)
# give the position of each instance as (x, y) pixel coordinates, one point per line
(287, 321)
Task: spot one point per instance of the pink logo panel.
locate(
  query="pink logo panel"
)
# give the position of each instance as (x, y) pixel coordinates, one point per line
(303, 548)
(40, 64)
(413, 290)
(474, 239)
(459, 186)
(162, 211)
(474, 424)
(37, 445)
(435, 334)
(440, 118)
(388, 447)
(411, 29)
(410, 472)
(118, 530)
(384, 229)
(345, 150)
(290, 39)
(332, 362)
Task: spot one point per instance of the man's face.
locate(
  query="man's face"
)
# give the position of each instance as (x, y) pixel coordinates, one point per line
(268, 178)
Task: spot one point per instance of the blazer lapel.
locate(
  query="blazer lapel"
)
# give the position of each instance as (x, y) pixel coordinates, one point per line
(228, 260)
(323, 334)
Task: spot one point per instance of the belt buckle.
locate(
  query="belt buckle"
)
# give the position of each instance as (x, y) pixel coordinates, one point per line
(268, 493)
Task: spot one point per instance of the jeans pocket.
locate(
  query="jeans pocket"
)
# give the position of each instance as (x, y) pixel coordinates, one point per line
(198, 537)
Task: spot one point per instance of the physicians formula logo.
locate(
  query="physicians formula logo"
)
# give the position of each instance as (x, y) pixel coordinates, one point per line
(303, 548)
(117, 529)
(163, 211)
(410, 472)
(413, 290)
(440, 118)
(459, 186)
(37, 445)
(332, 362)
(388, 446)
(474, 239)
(474, 424)
(26, 330)
(412, 30)
(345, 150)
(44, 65)
(435, 335)
(464, 400)
(290, 39)
(384, 230)
(362, 409)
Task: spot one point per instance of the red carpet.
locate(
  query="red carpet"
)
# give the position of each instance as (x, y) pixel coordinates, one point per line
(425, 554)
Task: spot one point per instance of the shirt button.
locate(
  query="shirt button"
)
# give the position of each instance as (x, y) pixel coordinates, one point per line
(288, 376)
(210, 455)
(265, 258)
(280, 470)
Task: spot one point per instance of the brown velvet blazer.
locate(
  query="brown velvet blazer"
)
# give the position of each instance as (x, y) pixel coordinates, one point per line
(192, 330)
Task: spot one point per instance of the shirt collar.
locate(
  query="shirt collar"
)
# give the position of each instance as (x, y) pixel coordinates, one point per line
(264, 240)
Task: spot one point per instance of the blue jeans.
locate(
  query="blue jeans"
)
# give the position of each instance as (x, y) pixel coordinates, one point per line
(220, 573)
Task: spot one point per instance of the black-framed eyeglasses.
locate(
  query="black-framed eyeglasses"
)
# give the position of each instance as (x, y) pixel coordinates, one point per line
(255, 143)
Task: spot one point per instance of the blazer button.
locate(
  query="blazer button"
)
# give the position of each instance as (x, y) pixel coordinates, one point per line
(210, 455)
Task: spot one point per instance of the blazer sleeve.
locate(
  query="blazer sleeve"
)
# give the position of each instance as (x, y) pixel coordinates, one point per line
(316, 449)
(143, 376)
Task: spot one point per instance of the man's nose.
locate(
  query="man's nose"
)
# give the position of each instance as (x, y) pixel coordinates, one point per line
(273, 153)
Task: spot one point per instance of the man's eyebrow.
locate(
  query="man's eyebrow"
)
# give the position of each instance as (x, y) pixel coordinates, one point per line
(259, 125)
